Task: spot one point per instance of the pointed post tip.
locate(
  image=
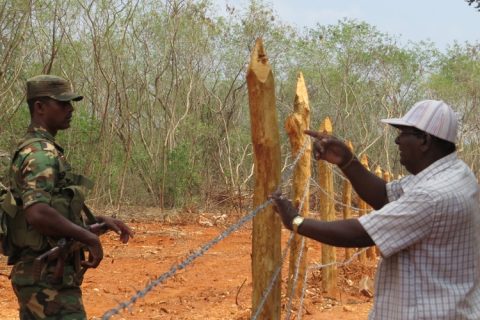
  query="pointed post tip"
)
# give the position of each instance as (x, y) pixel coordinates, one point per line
(326, 126)
(364, 160)
(258, 54)
(259, 62)
(349, 145)
(301, 103)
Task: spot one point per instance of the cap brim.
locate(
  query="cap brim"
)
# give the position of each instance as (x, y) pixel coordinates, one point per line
(396, 122)
(68, 97)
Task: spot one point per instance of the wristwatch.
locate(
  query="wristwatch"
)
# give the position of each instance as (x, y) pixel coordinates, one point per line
(297, 222)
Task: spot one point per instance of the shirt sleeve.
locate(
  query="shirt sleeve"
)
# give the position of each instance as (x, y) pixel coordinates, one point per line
(394, 190)
(401, 223)
(37, 177)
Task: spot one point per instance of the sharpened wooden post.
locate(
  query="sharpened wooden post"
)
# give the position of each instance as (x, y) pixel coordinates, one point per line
(387, 176)
(327, 213)
(347, 203)
(266, 245)
(295, 124)
(363, 207)
(378, 171)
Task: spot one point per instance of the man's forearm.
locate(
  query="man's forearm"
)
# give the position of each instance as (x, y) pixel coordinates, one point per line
(342, 233)
(368, 186)
(49, 222)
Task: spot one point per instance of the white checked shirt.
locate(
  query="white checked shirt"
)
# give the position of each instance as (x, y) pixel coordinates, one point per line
(429, 237)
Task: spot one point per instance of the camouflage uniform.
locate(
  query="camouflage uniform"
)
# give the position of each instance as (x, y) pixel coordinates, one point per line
(35, 174)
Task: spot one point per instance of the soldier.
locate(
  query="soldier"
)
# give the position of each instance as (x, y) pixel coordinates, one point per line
(50, 198)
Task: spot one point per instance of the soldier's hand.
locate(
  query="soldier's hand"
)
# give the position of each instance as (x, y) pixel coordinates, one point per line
(95, 252)
(118, 226)
(98, 228)
(284, 208)
(329, 148)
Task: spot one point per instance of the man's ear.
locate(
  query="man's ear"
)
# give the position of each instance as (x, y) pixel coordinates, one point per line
(39, 107)
(426, 143)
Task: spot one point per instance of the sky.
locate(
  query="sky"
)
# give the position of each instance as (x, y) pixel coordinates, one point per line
(439, 21)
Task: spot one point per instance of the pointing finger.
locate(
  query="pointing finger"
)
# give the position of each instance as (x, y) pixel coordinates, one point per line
(313, 134)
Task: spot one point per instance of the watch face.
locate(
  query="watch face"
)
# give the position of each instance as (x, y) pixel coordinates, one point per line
(296, 222)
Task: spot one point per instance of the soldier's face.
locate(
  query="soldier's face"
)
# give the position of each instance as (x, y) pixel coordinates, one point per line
(57, 115)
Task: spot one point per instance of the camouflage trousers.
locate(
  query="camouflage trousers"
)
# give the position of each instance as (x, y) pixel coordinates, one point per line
(40, 299)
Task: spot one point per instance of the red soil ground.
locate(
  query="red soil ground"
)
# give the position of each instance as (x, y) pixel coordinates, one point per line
(217, 285)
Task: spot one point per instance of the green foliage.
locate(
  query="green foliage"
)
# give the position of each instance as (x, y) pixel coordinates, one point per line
(458, 73)
(182, 177)
(81, 137)
(457, 80)
(165, 118)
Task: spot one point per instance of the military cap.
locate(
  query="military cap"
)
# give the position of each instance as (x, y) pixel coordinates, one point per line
(51, 86)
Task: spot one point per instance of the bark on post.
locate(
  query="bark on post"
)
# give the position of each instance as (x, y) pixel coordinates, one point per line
(266, 246)
(347, 203)
(387, 176)
(363, 207)
(379, 171)
(327, 213)
(295, 124)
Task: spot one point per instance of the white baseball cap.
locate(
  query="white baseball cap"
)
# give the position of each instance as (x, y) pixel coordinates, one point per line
(431, 116)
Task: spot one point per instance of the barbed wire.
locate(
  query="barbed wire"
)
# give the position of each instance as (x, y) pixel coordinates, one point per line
(287, 174)
(269, 288)
(142, 293)
(300, 255)
(289, 242)
(288, 170)
(331, 198)
(337, 263)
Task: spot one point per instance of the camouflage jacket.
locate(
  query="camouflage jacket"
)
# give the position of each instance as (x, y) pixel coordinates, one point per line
(35, 168)
(41, 174)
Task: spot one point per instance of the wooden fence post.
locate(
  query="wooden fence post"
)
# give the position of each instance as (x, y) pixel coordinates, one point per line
(378, 171)
(387, 176)
(363, 207)
(347, 203)
(266, 240)
(295, 124)
(327, 213)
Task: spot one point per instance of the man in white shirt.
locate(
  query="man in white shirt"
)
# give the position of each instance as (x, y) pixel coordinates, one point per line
(426, 225)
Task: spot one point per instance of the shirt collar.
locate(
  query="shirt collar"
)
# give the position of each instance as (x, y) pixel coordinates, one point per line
(41, 132)
(430, 171)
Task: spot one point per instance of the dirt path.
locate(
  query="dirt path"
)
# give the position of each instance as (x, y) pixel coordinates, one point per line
(217, 285)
